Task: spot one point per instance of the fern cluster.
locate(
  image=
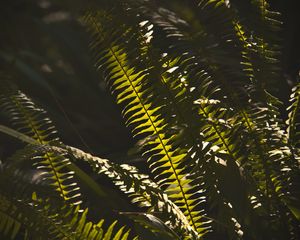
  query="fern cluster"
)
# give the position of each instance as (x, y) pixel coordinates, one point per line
(195, 85)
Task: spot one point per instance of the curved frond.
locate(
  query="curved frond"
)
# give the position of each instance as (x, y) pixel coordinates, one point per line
(41, 220)
(23, 212)
(139, 187)
(33, 122)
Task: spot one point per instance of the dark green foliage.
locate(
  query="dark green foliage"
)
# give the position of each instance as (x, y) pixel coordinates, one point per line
(196, 85)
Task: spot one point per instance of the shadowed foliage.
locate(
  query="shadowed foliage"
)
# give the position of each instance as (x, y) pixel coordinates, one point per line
(210, 151)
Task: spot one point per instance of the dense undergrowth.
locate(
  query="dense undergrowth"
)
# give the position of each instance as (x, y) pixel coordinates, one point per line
(216, 153)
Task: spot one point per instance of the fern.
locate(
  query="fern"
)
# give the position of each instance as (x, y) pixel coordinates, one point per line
(41, 220)
(44, 217)
(32, 121)
(140, 188)
(145, 118)
(195, 84)
(184, 99)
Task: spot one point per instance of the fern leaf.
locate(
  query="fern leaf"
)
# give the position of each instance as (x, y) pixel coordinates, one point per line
(138, 186)
(9, 226)
(46, 218)
(33, 122)
(127, 83)
(263, 106)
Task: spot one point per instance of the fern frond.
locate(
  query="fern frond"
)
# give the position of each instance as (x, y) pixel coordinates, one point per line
(40, 219)
(32, 121)
(145, 118)
(22, 210)
(179, 95)
(261, 32)
(139, 187)
(259, 114)
(217, 138)
(258, 18)
(260, 119)
(9, 226)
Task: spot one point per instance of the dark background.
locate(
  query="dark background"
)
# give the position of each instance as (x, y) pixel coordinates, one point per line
(290, 35)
